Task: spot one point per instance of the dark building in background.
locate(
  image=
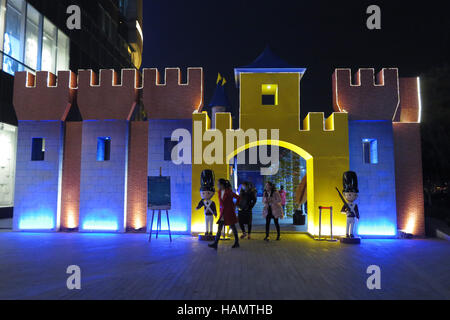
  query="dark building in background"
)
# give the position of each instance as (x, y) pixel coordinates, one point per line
(109, 35)
(34, 37)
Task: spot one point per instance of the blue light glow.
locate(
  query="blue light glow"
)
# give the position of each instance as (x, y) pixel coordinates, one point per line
(43, 220)
(371, 145)
(103, 149)
(178, 223)
(102, 220)
(377, 227)
(100, 225)
(370, 149)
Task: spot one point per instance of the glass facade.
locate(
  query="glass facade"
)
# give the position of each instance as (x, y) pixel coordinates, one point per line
(49, 47)
(8, 143)
(63, 50)
(14, 35)
(30, 41)
(2, 28)
(32, 38)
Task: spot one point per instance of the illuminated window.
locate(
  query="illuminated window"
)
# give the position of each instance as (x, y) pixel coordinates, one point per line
(13, 37)
(370, 151)
(269, 94)
(49, 47)
(29, 41)
(103, 149)
(123, 6)
(106, 23)
(63, 52)
(32, 37)
(38, 149)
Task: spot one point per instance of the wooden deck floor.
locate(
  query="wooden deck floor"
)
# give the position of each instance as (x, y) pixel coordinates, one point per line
(33, 266)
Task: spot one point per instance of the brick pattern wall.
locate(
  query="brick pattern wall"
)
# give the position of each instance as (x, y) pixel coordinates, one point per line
(137, 176)
(409, 178)
(409, 104)
(44, 96)
(172, 99)
(106, 97)
(93, 195)
(181, 176)
(370, 98)
(37, 189)
(70, 204)
(103, 184)
(377, 199)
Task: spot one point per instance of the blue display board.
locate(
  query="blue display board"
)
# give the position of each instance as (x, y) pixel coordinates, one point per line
(159, 196)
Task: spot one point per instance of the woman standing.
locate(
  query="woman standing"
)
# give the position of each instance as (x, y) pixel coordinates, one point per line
(246, 204)
(272, 209)
(227, 212)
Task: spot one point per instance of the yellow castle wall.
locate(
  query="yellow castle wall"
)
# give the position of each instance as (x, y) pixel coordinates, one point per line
(322, 142)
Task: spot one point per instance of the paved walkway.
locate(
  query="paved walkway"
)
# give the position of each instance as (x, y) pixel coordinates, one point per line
(259, 223)
(33, 266)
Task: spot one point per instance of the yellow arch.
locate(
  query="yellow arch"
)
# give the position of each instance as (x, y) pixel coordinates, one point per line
(309, 169)
(287, 145)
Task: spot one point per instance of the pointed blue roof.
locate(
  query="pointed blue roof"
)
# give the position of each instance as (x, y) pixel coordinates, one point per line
(268, 62)
(220, 98)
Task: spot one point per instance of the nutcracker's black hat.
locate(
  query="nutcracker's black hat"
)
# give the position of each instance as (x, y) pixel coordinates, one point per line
(207, 181)
(350, 182)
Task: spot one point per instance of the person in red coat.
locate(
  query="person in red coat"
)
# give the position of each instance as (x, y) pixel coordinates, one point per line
(227, 212)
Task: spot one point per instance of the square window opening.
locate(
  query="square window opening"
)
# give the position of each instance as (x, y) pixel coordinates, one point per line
(169, 146)
(38, 149)
(370, 151)
(269, 94)
(103, 149)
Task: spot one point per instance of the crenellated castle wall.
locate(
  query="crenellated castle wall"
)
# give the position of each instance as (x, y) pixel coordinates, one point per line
(76, 191)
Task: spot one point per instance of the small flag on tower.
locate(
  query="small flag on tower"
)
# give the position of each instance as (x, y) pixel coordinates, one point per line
(219, 78)
(220, 98)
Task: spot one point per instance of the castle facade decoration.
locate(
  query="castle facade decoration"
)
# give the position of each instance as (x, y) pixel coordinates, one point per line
(91, 175)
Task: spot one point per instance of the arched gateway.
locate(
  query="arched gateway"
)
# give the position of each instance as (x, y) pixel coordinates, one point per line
(323, 143)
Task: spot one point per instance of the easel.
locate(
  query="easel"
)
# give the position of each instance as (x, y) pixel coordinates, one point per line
(158, 227)
(331, 224)
(159, 209)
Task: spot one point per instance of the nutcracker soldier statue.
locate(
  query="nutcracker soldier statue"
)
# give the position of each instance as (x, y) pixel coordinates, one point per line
(350, 208)
(207, 192)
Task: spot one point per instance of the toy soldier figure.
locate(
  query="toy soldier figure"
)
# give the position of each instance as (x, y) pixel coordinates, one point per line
(207, 191)
(350, 208)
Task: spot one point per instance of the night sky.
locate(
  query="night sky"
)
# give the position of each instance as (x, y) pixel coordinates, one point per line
(318, 35)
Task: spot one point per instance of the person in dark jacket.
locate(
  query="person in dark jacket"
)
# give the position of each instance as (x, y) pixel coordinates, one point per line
(246, 205)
